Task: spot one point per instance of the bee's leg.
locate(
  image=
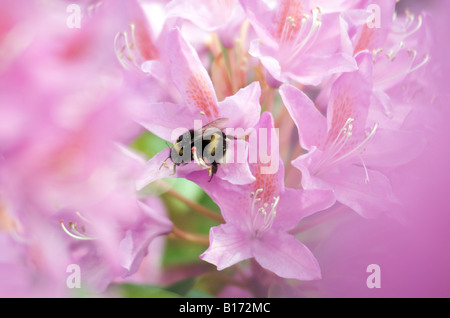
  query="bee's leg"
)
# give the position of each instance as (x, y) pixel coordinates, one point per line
(165, 163)
(174, 169)
(230, 137)
(199, 160)
(213, 170)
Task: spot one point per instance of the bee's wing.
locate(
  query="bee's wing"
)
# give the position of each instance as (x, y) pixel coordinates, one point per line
(218, 123)
(215, 124)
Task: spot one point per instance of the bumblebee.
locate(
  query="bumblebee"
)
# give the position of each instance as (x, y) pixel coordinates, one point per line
(206, 146)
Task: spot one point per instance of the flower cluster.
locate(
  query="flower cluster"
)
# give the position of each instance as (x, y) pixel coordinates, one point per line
(313, 105)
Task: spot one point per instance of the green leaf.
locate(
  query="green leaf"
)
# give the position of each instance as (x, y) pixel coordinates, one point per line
(194, 293)
(179, 253)
(188, 189)
(144, 291)
(148, 144)
(182, 287)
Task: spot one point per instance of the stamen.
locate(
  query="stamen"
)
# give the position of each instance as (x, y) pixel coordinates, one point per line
(364, 142)
(83, 218)
(413, 53)
(121, 48)
(254, 195)
(367, 180)
(346, 132)
(74, 233)
(302, 42)
(262, 219)
(75, 230)
(425, 61)
(126, 51)
(332, 155)
(416, 28)
(19, 238)
(270, 217)
(375, 53)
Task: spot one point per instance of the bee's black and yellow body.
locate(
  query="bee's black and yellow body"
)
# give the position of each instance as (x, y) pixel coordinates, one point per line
(211, 142)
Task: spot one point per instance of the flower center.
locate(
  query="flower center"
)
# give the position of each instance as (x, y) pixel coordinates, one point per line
(73, 229)
(135, 47)
(262, 214)
(342, 148)
(298, 33)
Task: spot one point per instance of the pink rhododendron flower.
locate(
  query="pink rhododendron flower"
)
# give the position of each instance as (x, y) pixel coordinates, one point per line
(116, 229)
(208, 15)
(396, 54)
(297, 42)
(259, 228)
(320, 109)
(32, 264)
(344, 151)
(223, 17)
(200, 103)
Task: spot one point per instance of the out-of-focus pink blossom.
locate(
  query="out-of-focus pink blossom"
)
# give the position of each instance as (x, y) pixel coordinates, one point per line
(223, 17)
(297, 42)
(65, 109)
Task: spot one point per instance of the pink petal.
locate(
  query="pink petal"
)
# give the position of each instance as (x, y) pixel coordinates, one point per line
(306, 163)
(133, 248)
(243, 108)
(237, 173)
(269, 174)
(228, 196)
(236, 169)
(190, 76)
(311, 124)
(389, 71)
(208, 15)
(368, 199)
(350, 98)
(390, 148)
(296, 204)
(388, 113)
(312, 69)
(163, 119)
(373, 38)
(284, 255)
(381, 107)
(284, 10)
(266, 55)
(228, 245)
(156, 69)
(333, 33)
(259, 14)
(155, 170)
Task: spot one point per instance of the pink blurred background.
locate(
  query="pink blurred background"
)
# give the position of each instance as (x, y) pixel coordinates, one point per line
(414, 256)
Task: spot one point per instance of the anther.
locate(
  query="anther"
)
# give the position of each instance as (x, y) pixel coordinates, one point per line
(73, 232)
